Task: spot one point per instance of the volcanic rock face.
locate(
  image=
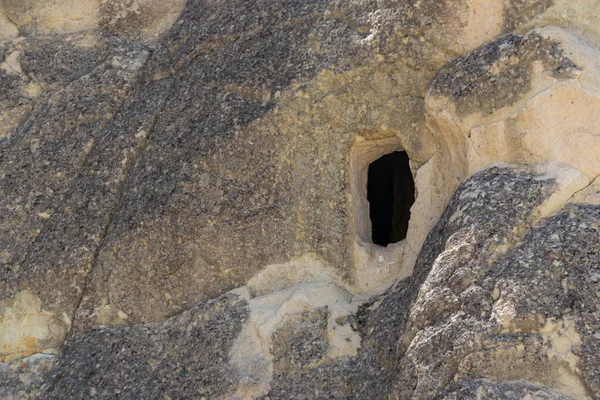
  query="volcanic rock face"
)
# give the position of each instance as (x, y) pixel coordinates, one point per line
(184, 211)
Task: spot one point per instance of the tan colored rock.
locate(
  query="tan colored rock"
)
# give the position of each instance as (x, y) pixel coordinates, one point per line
(549, 113)
(522, 100)
(278, 199)
(25, 328)
(581, 17)
(52, 16)
(131, 19)
(302, 270)
(8, 29)
(138, 19)
(477, 22)
(277, 316)
(311, 149)
(589, 195)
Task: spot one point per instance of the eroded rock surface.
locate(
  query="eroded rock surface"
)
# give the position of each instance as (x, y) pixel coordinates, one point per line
(63, 166)
(494, 300)
(155, 155)
(186, 357)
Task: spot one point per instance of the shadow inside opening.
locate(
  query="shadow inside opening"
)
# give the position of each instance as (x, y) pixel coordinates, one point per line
(391, 193)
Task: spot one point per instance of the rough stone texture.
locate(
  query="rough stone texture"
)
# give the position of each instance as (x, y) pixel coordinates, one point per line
(482, 389)
(519, 12)
(131, 19)
(500, 73)
(183, 358)
(301, 341)
(138, 181)
(167, 247)
(138, 19)
(244, 142)
(521, 99)
(22, 379)
(53, 16)
(424, 318)
(484, 308)
(460, 314)
(63, 168)
(171, 248)
(553, 278)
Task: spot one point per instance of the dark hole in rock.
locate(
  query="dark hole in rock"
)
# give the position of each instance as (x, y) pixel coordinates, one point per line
(391, 193)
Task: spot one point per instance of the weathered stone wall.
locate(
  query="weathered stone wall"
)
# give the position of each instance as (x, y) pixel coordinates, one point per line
(128, 19)
(149, 165)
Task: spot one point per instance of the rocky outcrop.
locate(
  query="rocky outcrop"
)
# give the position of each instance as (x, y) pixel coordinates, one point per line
(63, 166)
(157, 164)
(184, 358)
(130, 19)
(500, 305)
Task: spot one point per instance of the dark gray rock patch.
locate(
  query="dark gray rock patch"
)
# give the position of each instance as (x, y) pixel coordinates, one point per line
(498, 74)
(184, 358)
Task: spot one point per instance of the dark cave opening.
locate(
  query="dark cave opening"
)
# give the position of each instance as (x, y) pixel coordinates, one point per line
(391, 193)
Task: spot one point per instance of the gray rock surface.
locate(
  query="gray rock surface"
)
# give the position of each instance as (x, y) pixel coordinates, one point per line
(436, 335)
(474, 83)
(23, 379)
(143, 175)
(484, 390)
(183, 358)
(440, 312)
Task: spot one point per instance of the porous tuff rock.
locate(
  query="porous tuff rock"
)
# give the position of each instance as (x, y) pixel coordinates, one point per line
(482, 389)
(63, 165)
(185, 357)
(523, 98)
(176, 195)
(22, 379)
(252, 157)
(499, 307)
(139, 180)
(131, 19)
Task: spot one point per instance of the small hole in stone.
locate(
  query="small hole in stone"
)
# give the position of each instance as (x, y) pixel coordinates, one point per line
(391, 193)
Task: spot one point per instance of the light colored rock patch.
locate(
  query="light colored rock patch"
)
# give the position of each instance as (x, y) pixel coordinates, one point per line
(25, 328)
(589, 195)
(559, 124)
(251, 353)
(53, 16)
(8, 29)
(432, 193)
(377, 267)
(481, 22)
(164, 14)
(130, 19)
(308, 268)
(10, 118)
(562, 337)
(11, 64)
(559, 339)
(556, 120)
(108, 315)
(139, 19)
(568, 180)
(581, 17)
